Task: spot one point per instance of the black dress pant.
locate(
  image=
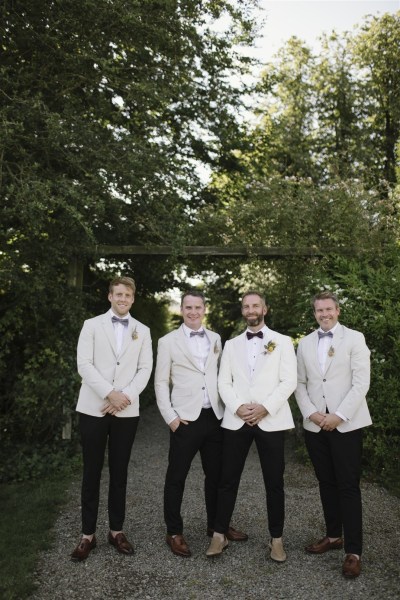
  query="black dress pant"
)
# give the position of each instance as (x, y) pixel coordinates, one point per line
(205, 436)
(270, 448)
(336, 458)
(120, 433)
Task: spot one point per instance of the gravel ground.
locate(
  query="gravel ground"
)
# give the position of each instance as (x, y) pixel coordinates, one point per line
(244, 570)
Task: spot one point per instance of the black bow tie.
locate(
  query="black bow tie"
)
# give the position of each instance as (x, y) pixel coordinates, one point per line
(118, 320)
(251, 335)
(200, 333)
(322, 334)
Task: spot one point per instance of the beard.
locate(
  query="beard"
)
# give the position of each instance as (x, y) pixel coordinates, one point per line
(254, 321)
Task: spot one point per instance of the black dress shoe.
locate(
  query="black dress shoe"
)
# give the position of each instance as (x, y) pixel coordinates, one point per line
(233, 535)
(83, 549)
(121, 543)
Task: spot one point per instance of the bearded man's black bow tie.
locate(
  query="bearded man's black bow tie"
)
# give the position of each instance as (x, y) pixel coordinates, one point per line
(250, 335)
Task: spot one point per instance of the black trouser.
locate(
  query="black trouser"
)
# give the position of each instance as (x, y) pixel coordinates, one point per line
(337, 463)
(270, 447)
(205, 436)
(95, 432)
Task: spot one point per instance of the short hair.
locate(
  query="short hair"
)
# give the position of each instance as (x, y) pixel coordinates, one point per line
(325, 295)
(196, 293)
(128, 281)
(254, 293)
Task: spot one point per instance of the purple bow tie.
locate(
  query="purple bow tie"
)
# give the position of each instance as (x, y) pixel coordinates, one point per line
(250, 335)
(322, 334)
(200, 333)
(118, 320)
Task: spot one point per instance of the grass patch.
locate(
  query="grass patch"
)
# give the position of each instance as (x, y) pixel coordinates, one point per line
(29, 511)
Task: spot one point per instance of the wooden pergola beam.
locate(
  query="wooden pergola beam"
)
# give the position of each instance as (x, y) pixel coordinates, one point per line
(232, 251)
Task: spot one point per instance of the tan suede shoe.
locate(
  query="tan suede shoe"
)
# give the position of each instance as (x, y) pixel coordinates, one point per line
(278, 553)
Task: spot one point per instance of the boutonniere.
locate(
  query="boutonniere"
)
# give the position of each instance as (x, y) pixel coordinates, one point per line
(135, 334)
(269, 347)
(331, 351)
(216, 348)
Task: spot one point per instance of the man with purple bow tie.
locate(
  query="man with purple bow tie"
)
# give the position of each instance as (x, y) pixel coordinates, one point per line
(115, 361)
(187, 397)
(333, 379)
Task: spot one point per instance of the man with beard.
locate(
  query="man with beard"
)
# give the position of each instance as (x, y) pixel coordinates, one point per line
(257, 375)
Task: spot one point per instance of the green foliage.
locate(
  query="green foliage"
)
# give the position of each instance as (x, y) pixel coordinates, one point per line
(29, 529)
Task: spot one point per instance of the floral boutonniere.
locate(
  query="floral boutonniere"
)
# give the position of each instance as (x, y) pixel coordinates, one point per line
(135, 334)
(269, 347)
(216, 348)
(331, 351)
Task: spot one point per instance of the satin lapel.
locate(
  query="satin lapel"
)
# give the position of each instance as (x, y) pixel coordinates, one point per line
(241, 353)
(262, 361)
(109, 331)
(336, 341)
(181, 342)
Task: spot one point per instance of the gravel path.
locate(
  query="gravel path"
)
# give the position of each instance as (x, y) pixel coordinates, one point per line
(243, 572)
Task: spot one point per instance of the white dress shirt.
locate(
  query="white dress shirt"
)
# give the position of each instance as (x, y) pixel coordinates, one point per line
(254, 348)
(119, 329)
(199, 347)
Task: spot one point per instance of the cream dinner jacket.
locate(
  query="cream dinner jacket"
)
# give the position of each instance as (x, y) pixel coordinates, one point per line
(273, 381)
(343, 385)
(103, 370)
(179, 382)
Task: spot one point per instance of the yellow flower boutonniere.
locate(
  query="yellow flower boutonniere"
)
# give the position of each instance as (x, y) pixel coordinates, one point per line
(331, 351)
(135, 334)
(216, 348)
(269, 347)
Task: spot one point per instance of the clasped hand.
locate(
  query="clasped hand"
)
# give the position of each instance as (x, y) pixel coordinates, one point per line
(327, 422)
(251, 413)
(115, 402)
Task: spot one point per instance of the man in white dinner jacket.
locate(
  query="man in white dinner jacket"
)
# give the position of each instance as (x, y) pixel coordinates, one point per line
(115, 361)
(333, 379)
(257, 375)
(187, 396)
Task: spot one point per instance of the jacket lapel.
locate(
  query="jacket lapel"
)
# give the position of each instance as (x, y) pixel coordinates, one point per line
(183, 345)
(336, 341)
(109, 331)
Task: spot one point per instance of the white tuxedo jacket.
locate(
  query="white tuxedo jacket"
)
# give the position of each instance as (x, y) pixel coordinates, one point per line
(273, 381)
(343, 385)
(103, 370)
(179, 382)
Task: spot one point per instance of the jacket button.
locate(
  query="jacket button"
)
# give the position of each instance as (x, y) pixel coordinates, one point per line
(118, 364)
(203, 388)
(324, 380)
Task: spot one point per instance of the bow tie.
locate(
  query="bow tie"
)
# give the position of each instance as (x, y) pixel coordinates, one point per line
(322, 334)
(124, 322)
(200, 333)
(250, 335)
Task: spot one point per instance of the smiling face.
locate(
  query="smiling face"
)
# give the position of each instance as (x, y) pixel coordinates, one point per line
(121, 299)
(253, 311)
(326, 313)
(193, 311)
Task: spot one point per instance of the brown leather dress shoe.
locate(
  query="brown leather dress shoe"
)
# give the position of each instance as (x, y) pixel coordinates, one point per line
(324, 545)
(121, 543)
(351, 566)
(178, 545)
(83, 549)
(233, 535)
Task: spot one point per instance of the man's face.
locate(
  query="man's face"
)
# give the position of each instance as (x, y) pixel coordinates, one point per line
(326, 313)
(253, 311)
(193, 311)
(121, 299)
